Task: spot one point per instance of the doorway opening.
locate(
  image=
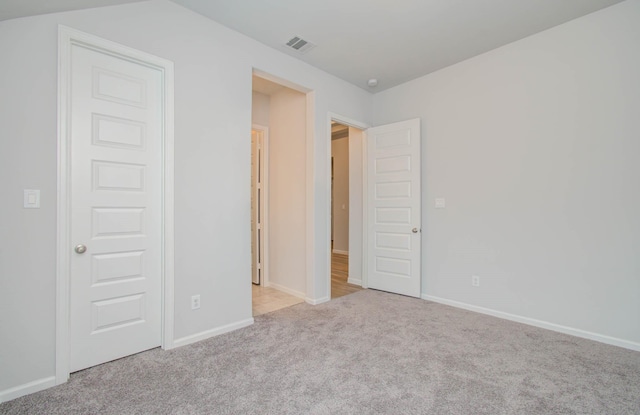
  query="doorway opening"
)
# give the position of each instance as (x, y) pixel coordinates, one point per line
(346, 209)
(278, 195)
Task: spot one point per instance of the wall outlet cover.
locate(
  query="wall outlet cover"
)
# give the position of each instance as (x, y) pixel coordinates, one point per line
(475, 280)
(195, 302)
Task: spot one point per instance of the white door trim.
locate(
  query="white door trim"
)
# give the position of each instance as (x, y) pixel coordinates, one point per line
(265, 202)
(310, 289)
(365, 210)
(67, 37)
(362, 126)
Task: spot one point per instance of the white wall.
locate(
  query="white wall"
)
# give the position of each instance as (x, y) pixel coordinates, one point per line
(340, 203)
(355, 205)
(287, 191)
(535, 147)
(213, 70)
(260, 109)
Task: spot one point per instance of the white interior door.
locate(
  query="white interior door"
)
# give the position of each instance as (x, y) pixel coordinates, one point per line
(257, 206)
(393, 207)
(116, 207)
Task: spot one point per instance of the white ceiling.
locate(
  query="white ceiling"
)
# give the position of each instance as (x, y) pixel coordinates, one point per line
(392, 41)
(10, 9)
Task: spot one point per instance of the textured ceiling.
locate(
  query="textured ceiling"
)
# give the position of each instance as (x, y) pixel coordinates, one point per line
(10, 9)
(392, 41)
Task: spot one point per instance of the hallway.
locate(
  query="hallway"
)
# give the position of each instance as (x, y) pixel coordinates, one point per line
(267, 299)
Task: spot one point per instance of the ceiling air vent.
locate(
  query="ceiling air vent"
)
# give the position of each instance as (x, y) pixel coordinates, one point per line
(300, 45)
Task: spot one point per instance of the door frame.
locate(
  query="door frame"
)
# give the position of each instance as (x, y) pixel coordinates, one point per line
(310, 257)
(68, 37)
(265, 202)
(361, 126)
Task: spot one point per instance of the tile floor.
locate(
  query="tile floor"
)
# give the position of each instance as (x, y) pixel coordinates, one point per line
(266, 300)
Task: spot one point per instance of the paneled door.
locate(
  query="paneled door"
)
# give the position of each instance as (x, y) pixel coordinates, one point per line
(116, 207)
(393, 212)
(257, 206)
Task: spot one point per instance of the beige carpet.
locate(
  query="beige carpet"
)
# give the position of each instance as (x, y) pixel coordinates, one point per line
(366, 353)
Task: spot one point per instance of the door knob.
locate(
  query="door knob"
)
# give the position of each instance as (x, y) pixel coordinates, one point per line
(80, 249)
(414, 230)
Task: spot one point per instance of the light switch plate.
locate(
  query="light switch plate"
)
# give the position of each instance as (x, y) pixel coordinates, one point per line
(31, 199)
(440, 203)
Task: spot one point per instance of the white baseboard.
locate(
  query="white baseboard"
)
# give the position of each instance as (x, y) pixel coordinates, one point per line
(27, 388)
(313, 301)
(212, 333)
(337, 251)
(287, 290)
(538, 323)
(298, 294)
(355, 281)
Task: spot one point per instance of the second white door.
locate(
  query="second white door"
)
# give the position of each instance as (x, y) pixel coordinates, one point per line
(393, 208)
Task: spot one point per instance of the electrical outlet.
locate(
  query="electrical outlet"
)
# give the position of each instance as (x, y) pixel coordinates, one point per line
(475, 280)
(195, 302)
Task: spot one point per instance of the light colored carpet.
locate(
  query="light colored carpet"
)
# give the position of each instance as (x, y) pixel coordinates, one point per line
(366, 353)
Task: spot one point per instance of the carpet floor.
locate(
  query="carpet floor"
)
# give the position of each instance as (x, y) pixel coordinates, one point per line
(365, 353)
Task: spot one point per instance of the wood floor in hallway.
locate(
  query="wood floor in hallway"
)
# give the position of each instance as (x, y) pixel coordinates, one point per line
(339, 276)
(267, 299)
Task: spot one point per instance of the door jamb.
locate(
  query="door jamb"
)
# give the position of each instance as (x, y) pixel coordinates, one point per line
(362, 126)
(67, 37)
(265, 202)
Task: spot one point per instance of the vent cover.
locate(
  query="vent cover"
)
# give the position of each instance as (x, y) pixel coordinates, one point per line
(300, 45)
